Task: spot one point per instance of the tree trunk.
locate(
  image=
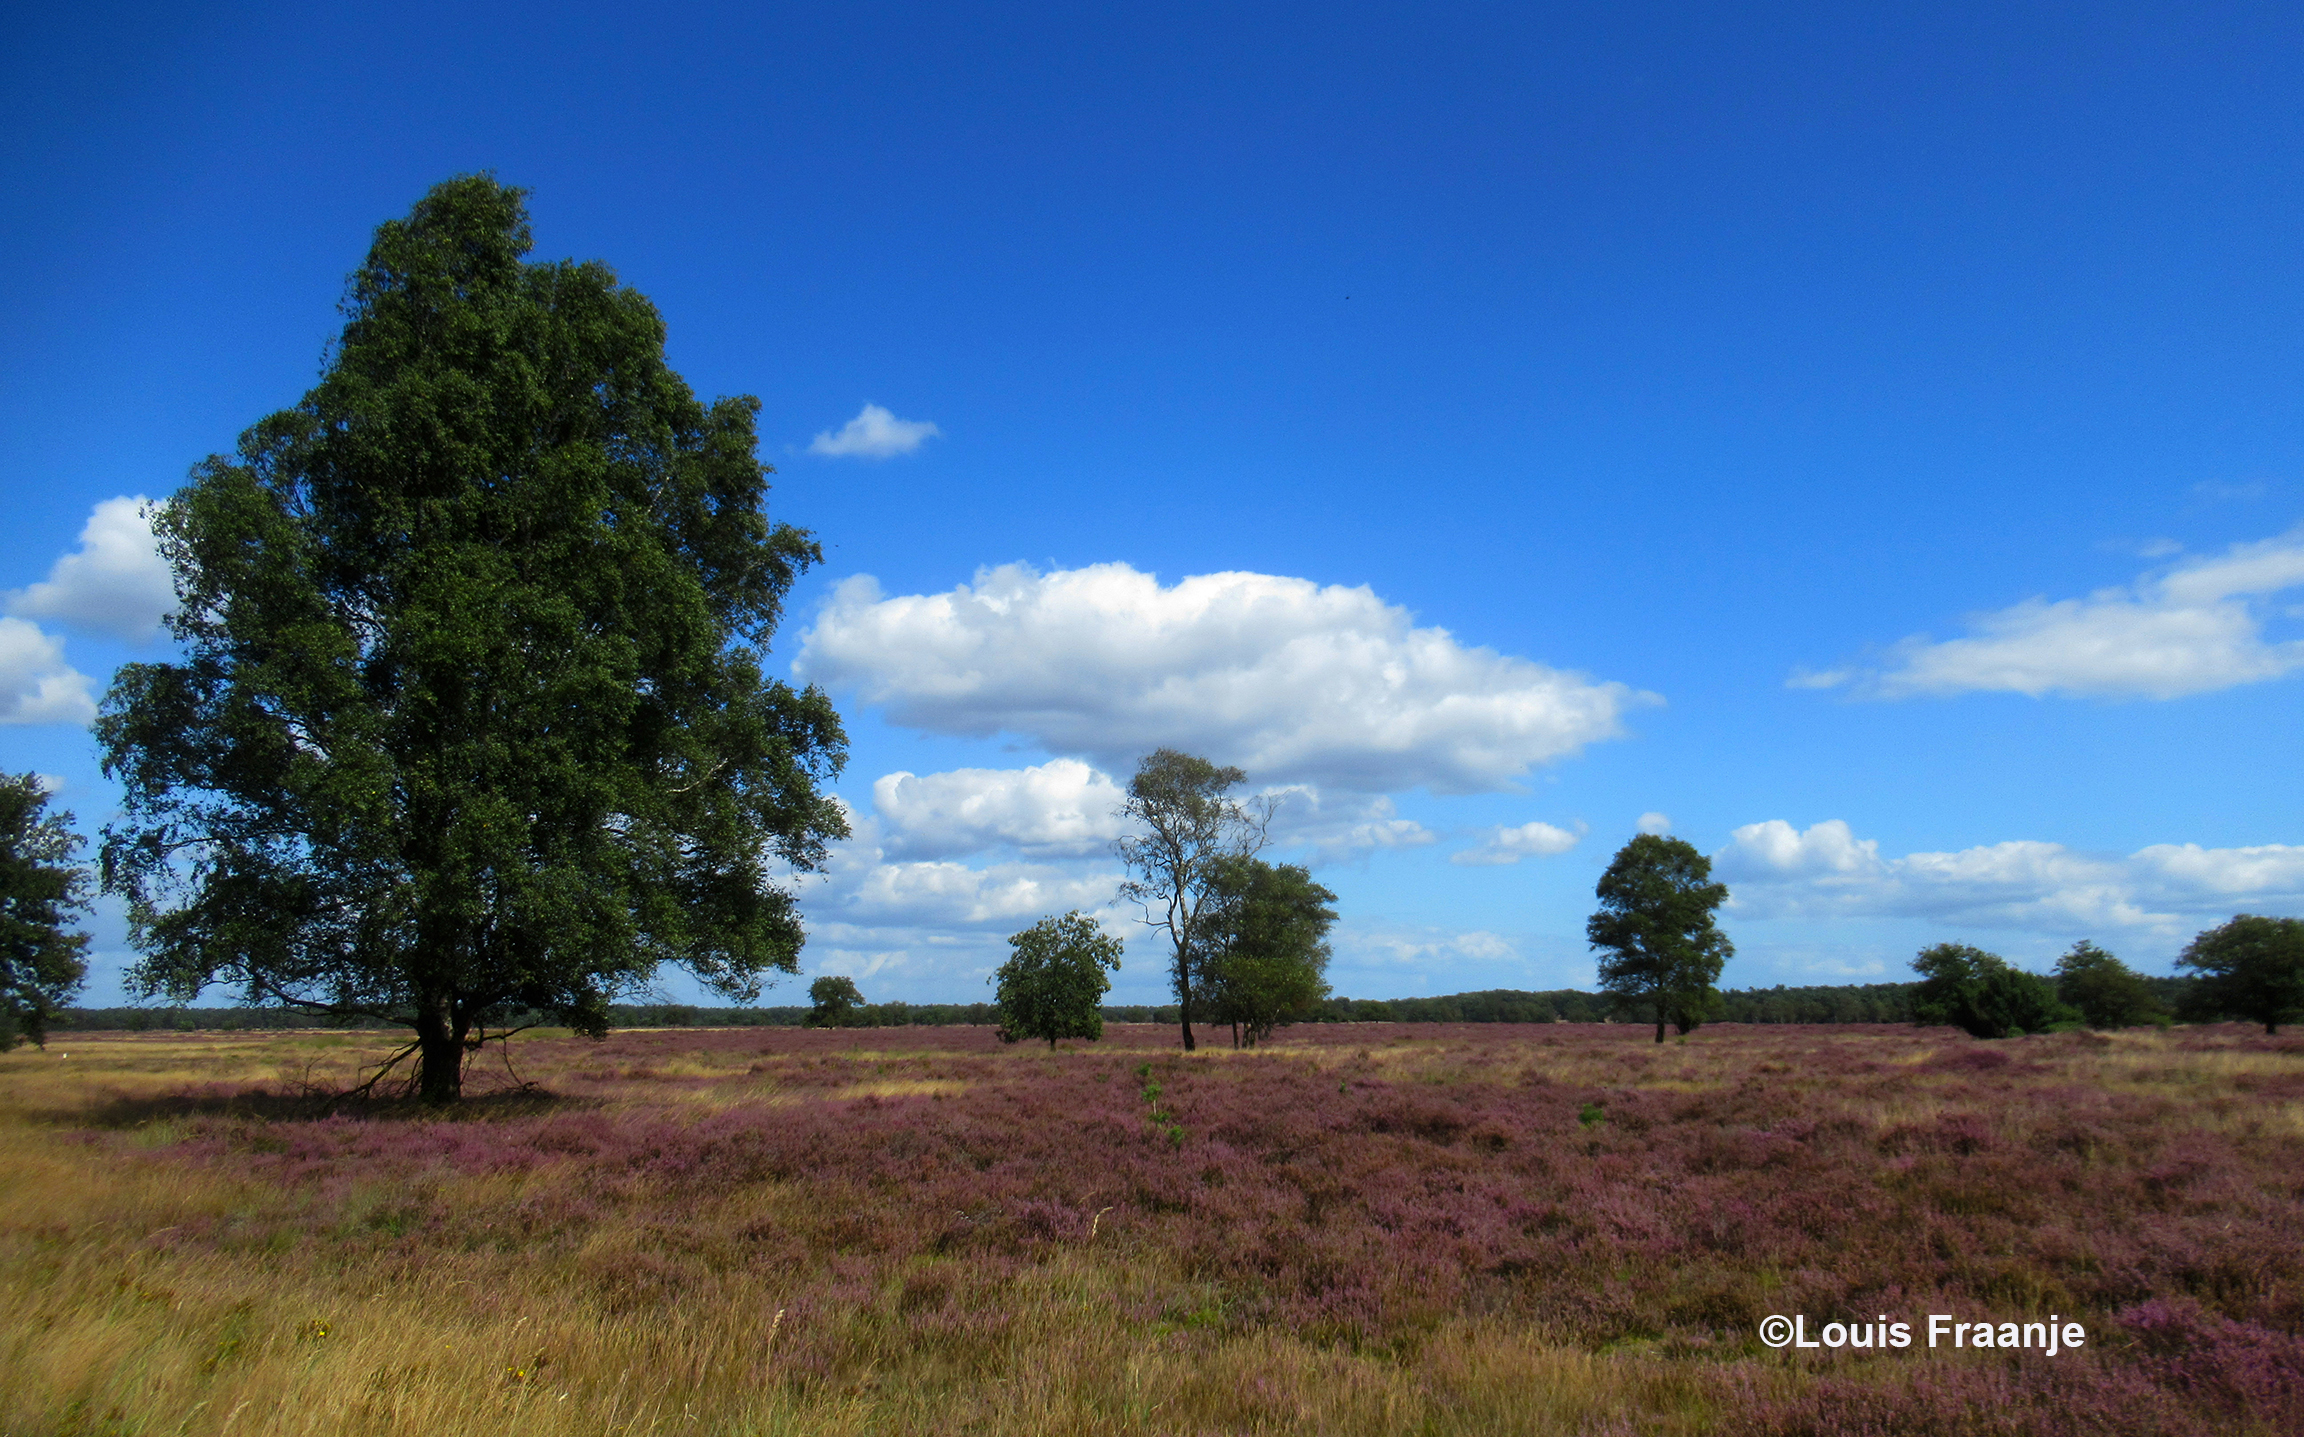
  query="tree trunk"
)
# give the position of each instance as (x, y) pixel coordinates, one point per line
(1661, 1005)
(1184, 1000)
(440, 1037)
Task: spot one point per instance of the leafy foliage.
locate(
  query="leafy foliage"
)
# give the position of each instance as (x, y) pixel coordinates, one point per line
(1188, 829)
(1052, 984)
(1265, 951)
(42, 891)
(1971, 989)
(2250, 968)
(1655, 924)
(2106, 992)
(834, 1002)
(471, 714)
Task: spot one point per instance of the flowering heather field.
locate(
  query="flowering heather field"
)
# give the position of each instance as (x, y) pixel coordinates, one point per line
(1360, 1228)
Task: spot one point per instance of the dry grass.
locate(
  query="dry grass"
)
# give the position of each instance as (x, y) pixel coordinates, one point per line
(176, 1263)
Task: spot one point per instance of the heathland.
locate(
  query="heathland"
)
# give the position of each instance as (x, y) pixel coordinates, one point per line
(1356, 1228)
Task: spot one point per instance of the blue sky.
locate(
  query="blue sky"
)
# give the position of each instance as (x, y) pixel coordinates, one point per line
(1862, 439)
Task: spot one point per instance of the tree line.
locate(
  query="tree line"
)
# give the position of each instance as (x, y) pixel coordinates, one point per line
(1844, 1003)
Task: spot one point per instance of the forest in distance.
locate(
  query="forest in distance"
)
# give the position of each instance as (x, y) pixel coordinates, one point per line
(1828, 1003)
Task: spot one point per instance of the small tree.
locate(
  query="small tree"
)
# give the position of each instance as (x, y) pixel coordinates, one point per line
(2251, 968)
(1264, 957)
(1980, 992)
(1053, 985)
(1655, 923)
(1189, 828)
(835, 1003)
(2106, 992)
(41, 892)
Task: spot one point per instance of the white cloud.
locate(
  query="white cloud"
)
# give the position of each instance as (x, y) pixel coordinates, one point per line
(1777, 871)
(1510, 845)
(1340, 827)
(874, 434)
(1292, 681)
(36, 685)
(1062, 807)
(863, 888)
(115, 583)
(1382, 945)
(2222, 489)
(1375, 955)
(2194, 629)
(952, 895)
(1653, 822)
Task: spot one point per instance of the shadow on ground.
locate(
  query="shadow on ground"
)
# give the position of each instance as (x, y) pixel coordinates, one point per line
(296, 1105)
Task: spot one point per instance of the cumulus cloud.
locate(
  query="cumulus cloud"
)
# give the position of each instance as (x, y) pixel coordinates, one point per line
(1653, 822)
(1059, 808)
(1777, 871)
(1290, 680)
(953, 895)
(874, 434)
(115, 583)
(1510, 845)
(1336, 827)
(2193, 629)
(866, 888)
(36, 685)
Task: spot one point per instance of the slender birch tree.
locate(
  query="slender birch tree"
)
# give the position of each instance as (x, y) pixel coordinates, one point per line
(1188, 827)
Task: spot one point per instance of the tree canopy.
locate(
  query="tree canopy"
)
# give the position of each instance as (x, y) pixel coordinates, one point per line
(2104, 991)
(2250, 968)
(1054, 982)
(42, 893)
(1981, 992)
(1264, 950)
(1188, 828)
(471, 714)
(1655, 926)
(833, 1002)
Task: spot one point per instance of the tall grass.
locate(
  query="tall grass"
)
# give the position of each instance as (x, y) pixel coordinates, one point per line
(1443, 1228)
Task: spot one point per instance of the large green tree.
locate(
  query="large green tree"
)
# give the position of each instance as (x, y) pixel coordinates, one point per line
(1662, 950)
(1264, 956)
(2250, 968)
(1055, 979)
(1188, 826)
(471, 717)
(42, 893)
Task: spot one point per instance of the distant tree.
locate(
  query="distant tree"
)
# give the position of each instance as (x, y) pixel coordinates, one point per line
(471, 717)
(1655, 924)
(1968, 988)
(2251, 968)
(42, 891)
(835, 1003)
(1264, 955)
(1053, 984)
(1187, 829)
(2106, 992)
